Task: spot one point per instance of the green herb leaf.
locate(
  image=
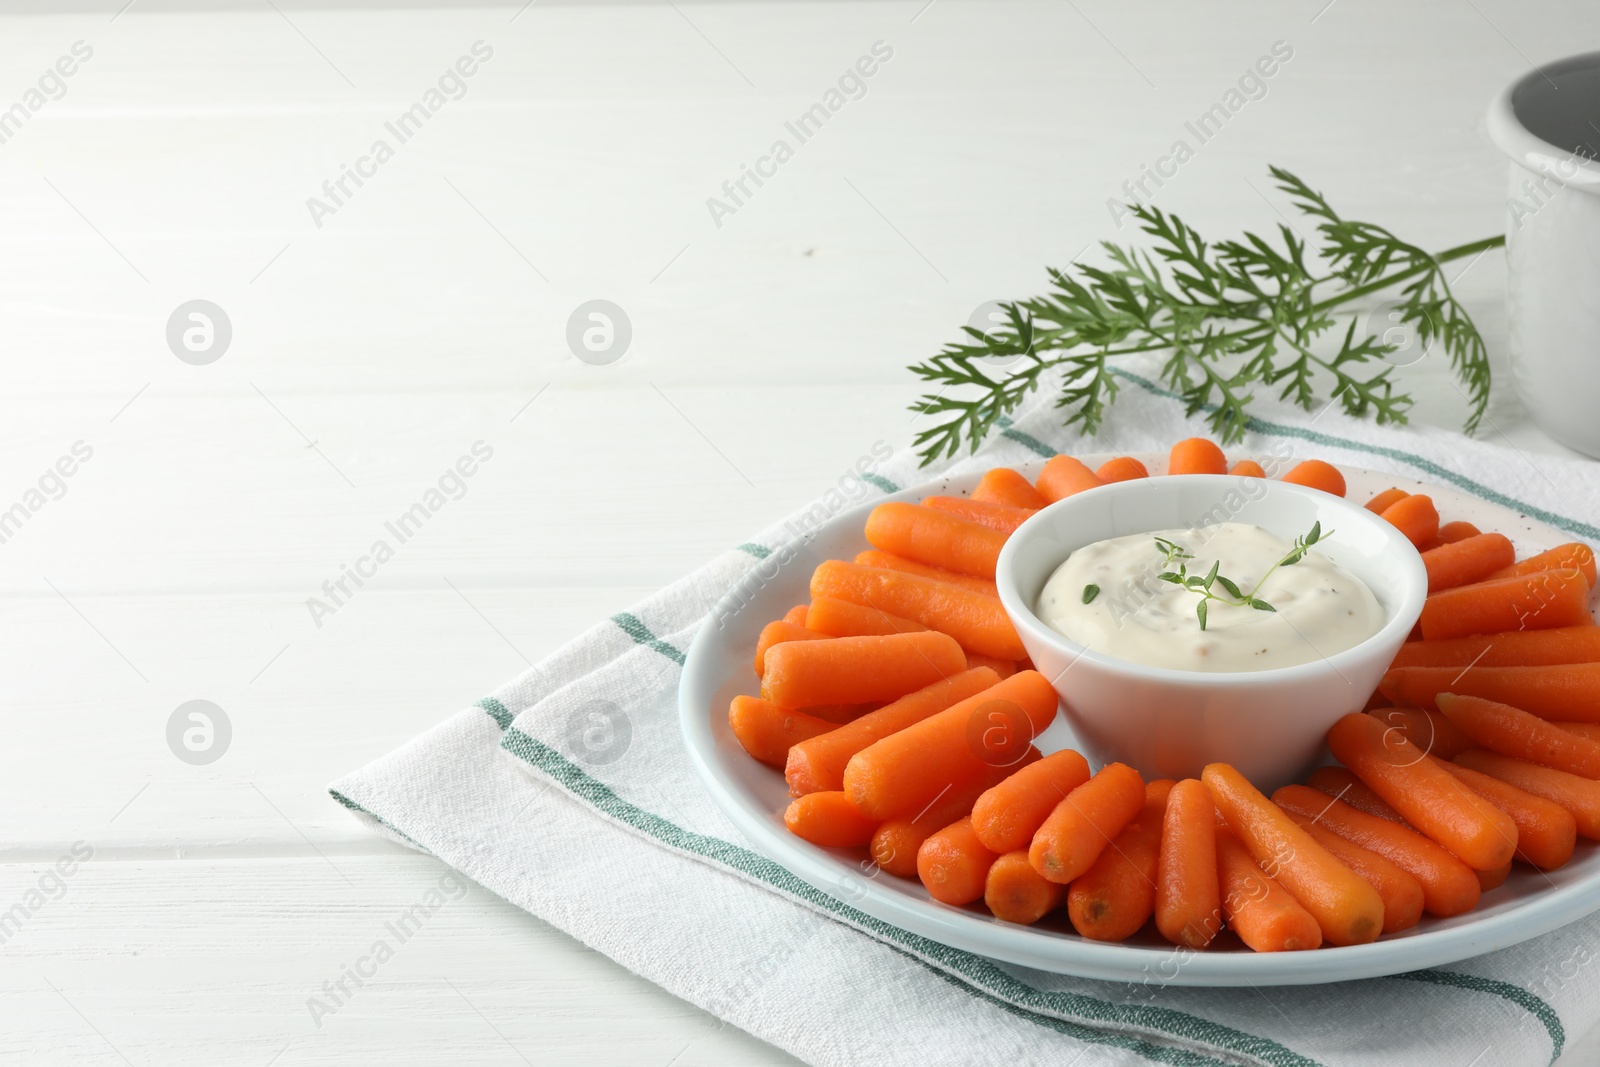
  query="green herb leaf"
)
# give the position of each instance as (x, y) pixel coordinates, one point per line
(1229, 584)
(1090, 591)
(1200, 611)
(1230, 316)
(1261, 605)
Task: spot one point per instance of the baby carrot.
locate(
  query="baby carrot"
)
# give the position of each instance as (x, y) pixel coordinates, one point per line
(1518, 648)
(1580, 796)
(975, 620)
(1348, 910)
(1248, 468)
(1196, 455)
(1537, 601)
(1121, 469)
(890, 562)
(818, 763)
(839, 714)
(1494, 879)
(1316, 474)
(1063, 476)
(1546, 832)
(1005, 668)
(1340, 784)
(1591, 730)
(1510, 731)
(953, 864)
(828, 820)
(1428, 730)
(1415, 516)
(1188, 904)
(1117, 894)
(1467, 561)
(1380, 503)
(1264, 914)
(1075, 832)
(1016, 893)
(776, 633)
(853, 670)
(1449, 887)
(1006, 817)
(1560, 692)
(1428, 797)
(895, 842)
(840, 618)
(1401, 893)
(767, 731)
(936, 538)
(904, 771)
(796, 616)
(999, 517)
(1451, 532)
(1573, 554)
(1002, 485)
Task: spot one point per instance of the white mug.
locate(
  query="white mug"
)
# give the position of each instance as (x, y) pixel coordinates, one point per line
(1548, 122)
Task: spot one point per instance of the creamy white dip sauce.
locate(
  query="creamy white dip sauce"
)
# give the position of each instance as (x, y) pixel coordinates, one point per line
(1320, 608)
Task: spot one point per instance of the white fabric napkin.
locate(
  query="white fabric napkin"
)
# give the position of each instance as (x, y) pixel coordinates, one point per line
(569, 793)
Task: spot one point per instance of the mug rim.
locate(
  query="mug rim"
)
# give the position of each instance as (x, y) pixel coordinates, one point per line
(1526, 148)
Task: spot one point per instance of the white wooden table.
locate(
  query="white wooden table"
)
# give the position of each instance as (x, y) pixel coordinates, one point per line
(428, 311)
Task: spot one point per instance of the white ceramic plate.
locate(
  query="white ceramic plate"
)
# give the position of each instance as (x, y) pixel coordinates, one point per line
(755, 796)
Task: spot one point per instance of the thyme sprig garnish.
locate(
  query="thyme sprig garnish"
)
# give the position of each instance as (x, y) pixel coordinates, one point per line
(1229, 315)
(1172, 552)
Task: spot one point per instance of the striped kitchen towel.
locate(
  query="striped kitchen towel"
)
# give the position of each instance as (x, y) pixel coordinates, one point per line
(569, 793)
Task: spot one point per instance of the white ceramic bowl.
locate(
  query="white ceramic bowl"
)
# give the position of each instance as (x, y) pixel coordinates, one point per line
(1168, 723)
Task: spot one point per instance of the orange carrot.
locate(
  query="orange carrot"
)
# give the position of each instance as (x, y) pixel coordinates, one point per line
(1121, 469)
(1591, 730)
(840, 618)
(1002, 485)
(776, 633)
(1315, 474)
(1546, 832)
(818, 763)
(1006, 817)
(1117, 894)
(838, 713)
(936, 538)
(1464, 562)
(1063, 476)
(1451, 532)
(1266, 916)
(999, 517)
(1196, 455)
(890, 562)
(1429, 798)
(1559, 692)
(1449, 887)
(954, 865)
(1518, 648)
(1348, 910)
(1510, 731)
(845, 670)
(1075, 832)
(1573, 554)
(767, 731)
(1380, 503)
(1494, 879)
(1188, 905)
(1428, 730)
(1248, 468)
(975, 620)
(904, 771)
(1401, 893)
(1537, 601)
(1416, 517)
(1005, 668)
(1016, 893)
(895, 843)
(796, 616)
(1580, 796)
(828, 820)
(1341, 784)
